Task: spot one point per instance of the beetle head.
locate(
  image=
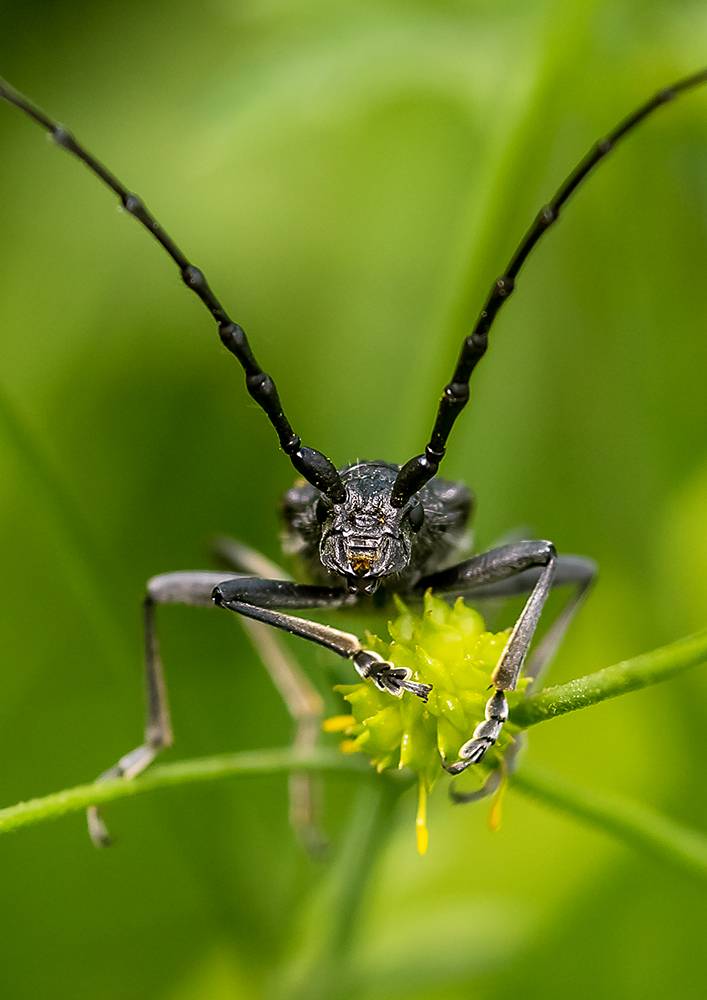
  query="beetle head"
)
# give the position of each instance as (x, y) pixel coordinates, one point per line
(365, 537)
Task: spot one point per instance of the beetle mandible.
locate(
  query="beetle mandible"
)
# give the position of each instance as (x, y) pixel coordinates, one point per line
(367, 527)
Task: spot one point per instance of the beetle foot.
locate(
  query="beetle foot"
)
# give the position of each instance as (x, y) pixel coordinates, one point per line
(388, 677)
(472, 752)
(485, 734)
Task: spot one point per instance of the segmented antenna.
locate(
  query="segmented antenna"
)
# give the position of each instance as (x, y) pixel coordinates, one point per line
(316, 468)
(419, 470)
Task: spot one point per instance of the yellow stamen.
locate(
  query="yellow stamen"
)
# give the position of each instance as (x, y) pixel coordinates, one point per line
(338, 723)
(421, 822)
(495, 814)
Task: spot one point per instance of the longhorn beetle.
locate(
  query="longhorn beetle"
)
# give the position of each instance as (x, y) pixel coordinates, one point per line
(365, 526)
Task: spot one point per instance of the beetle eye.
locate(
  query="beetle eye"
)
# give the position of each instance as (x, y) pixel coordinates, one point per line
(417, 517)
(322, 510)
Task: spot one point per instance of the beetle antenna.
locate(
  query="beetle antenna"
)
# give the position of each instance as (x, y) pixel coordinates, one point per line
(316, 468)
(419, 470)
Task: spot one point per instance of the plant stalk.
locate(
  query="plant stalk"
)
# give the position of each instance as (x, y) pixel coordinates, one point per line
(649, 668)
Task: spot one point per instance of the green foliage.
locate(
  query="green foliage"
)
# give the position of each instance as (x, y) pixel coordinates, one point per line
(351, 176)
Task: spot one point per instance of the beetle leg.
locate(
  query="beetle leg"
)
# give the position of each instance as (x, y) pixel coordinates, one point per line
(171, 588)
(500, 565)
(504, 572)
(264, 601)
(577, 572)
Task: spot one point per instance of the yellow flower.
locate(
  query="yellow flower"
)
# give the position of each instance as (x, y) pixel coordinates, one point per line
(449, 648)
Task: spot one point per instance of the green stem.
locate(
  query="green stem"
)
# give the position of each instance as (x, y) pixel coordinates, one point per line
(637, 826)
(631, 823)
(322, 968)
(181, 773)
(631, 675)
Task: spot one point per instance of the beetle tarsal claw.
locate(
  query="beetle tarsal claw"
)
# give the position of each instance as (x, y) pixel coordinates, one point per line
(395, 680)
(390, 680)
(421, 690)
(387, 677)
(456, 768)
(472, 752)
(485, 734)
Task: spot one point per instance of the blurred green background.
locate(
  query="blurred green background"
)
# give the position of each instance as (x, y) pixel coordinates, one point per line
(351, 175)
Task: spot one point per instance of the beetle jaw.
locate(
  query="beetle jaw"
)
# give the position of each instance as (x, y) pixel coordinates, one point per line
(364, 560)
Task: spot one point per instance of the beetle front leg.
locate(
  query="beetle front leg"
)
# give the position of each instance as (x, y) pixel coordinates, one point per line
(485, 571)
(265, 600)
(505, 676)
